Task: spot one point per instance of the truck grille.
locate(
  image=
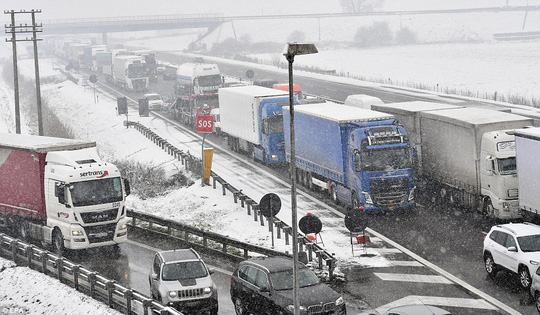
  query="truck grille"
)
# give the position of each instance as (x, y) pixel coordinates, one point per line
(99, 216)
(190, 294)
(327, 308)
(100, 233)
(390, 192)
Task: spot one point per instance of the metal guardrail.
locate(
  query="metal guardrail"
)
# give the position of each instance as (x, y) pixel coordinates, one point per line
(191, 163)
(83, 280)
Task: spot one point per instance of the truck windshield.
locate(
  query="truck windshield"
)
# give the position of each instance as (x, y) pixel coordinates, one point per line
(210, 80)
(275, 124)
(95, 192)
(507, 166)
(137, 70)
(386, 159)
(183, 270)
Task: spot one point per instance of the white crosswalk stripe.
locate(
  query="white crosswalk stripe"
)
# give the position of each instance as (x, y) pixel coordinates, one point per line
(412, 278)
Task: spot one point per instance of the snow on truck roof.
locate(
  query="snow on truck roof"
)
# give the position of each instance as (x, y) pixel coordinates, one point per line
(41, 144)
(417, 106)
(473, 116)
(340, 113)
(529, 133)
(254, 90)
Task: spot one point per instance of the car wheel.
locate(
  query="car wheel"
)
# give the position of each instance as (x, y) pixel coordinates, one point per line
(239, 307)
(537, 302)
(490, 265)
(524, 278)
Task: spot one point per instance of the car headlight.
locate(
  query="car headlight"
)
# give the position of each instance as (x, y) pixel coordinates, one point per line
(123, 226)
(173, 294)
(77, 233)
(207, 290)
(291, 308)
(339, 301)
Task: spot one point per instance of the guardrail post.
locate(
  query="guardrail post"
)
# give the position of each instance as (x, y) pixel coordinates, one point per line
(300, 243)
(246, 253)
(255, 214)
(186, 236)
(278, 224)
(29, 256)
(75, 271)
(129, 296)
(320, 254)
(110, 291)
(224, 248)
(43, 257)
(287, 230)
(59, 267)
(146, 304)
(261, 217)
(331, 265)
(309, 247)
(13, 246)
(248, 208)
(92, 281)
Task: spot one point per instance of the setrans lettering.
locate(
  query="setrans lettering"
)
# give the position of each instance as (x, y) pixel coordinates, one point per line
(91, 173)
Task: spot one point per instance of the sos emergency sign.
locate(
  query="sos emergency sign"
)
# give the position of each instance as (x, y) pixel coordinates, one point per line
(205, 123)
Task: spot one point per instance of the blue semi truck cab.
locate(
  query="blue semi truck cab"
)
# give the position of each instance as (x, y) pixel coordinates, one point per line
(361, 157)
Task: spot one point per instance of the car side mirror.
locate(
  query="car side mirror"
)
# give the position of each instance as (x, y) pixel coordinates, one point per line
(211, 270)
(154, 276)
(512, 249)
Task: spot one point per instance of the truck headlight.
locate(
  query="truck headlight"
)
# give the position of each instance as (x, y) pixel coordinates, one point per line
(173, 294)
(411, 194)
(367, 197)
(77, 233)
(274, 157)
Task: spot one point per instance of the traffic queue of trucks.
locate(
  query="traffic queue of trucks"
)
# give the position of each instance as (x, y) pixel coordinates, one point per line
(59, 191)
(465, 155)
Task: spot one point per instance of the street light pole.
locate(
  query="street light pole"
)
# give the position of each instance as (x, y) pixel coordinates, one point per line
(291, 50)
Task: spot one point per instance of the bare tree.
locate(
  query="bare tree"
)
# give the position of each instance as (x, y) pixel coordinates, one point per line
(357, 6)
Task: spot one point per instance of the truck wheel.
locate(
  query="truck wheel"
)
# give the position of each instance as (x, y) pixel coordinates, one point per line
(333, 193)
(58, 243)
(23, 230)
(354, 201)
(488, 209)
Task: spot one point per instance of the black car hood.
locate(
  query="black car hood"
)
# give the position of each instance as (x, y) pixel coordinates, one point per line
(313, 295)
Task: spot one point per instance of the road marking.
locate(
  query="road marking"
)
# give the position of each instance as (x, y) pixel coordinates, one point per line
(436, 300)
(406, 263)
(412, 278)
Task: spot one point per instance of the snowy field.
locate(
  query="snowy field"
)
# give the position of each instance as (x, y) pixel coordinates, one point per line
(485, 66)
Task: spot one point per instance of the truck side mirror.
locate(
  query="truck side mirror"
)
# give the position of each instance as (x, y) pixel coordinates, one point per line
(60, 193)
(490, 165)
(127, 187)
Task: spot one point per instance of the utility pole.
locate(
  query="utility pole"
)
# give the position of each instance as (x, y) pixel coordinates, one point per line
(13, 30)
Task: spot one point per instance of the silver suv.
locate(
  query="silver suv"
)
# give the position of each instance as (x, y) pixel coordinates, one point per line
(514, 247)
(180, 279)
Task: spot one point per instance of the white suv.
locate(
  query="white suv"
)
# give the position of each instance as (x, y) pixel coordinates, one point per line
(514, 247)
(180, 279)
(155, 102)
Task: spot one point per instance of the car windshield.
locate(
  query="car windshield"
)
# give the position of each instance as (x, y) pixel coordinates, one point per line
(183, 270)
(529, 243)
(95, 192)
(283, 280)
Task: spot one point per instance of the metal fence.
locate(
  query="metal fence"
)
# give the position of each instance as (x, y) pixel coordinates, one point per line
(117, 297)
(193, 164)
